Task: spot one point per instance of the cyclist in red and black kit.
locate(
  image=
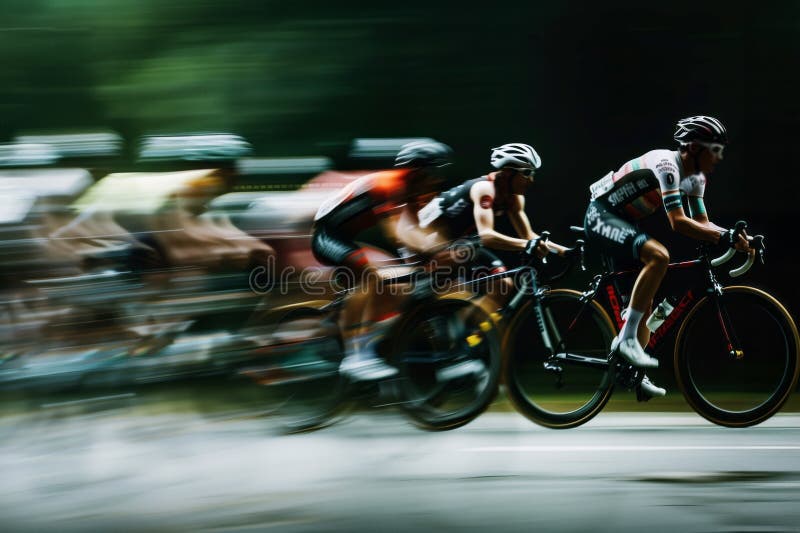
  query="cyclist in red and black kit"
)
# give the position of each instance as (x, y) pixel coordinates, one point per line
(637, 190)
(371, 201)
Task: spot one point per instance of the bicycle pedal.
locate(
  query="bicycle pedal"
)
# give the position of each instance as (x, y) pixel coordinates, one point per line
(641, 396)
(387, 389)
(364, 390)
(553, 367)
(628, 376)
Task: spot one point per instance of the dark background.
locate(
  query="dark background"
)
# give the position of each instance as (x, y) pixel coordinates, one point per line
(588, 84)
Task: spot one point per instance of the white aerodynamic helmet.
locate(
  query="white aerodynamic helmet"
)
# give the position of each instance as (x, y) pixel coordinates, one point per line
(515, 155)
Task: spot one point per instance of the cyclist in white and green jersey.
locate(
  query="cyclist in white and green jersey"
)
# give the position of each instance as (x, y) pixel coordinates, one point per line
(637, 190)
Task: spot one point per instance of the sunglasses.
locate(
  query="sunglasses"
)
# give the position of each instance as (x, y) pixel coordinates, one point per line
(714, 148)
(527, 172)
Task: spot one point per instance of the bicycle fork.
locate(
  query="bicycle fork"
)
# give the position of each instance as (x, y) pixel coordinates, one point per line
(731, 340)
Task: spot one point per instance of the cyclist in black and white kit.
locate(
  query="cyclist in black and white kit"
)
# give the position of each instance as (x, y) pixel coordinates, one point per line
(637, 190)
(471, 208)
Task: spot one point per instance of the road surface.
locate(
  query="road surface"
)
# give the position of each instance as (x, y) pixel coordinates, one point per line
(124, 470)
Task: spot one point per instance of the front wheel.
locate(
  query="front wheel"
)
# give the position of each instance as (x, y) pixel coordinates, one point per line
(448, 354)
(736, 357)
(567, 383)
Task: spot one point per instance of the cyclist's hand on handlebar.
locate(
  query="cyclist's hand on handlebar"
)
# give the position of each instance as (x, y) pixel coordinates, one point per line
(742, 244)
(739, 241)
(536, 247)
(736, 237)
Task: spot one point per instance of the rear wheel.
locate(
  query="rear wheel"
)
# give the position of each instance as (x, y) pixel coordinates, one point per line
(566, 388)
(745, 383)
(449, 358)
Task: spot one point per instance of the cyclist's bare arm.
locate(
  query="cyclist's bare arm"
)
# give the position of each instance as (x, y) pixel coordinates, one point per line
(697, 210)
(412, 236)
(387, 221)
(703, 219)
(691, 227)
(482, 195)
(519, 219)
(702, 230)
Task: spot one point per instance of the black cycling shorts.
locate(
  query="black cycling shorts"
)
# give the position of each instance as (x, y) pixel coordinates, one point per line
(333, 249)
(471, 261)
(614, 236)
(487, 263)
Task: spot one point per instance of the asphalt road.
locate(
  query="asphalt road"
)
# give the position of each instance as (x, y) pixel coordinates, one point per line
(120, 470)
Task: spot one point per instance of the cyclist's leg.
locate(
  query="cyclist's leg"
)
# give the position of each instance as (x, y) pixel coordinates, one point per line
(655, 258)
(372, 315)
(361, 360)
(382, 304)
(624, 242)
(499, 291)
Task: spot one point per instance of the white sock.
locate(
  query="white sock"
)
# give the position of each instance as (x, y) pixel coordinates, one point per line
(631, 325)
(352, 345)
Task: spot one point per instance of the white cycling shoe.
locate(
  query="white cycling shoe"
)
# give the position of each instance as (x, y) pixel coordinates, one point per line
(651, 389)
(359, 368)
(632, 352)
(467, 367)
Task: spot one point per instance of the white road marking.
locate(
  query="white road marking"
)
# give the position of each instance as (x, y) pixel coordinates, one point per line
(611, 448)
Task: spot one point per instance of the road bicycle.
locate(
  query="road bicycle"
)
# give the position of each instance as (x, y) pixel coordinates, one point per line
(445, 347)
(736, 356)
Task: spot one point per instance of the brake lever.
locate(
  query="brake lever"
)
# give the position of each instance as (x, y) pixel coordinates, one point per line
(758, 240)
(756, 249)
(543, 237)
(582, 253)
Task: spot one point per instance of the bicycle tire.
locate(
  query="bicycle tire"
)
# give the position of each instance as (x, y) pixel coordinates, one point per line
(430, 401)
(753, 387)
(538, 393)
(301, 377)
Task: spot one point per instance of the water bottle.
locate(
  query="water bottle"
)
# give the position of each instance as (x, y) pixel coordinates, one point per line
(659, 315)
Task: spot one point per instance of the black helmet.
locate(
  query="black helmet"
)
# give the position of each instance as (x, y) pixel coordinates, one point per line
(423, 154)
(702, 129)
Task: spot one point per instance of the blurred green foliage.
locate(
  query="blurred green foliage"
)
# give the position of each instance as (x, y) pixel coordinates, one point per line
(289, 77)
(306, 77)
(589, 84)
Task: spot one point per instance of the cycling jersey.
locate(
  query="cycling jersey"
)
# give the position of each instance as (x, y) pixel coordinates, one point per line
(642, 185)
(358, 205)
(455, 211)
(638, 189)
(355, 208)
(457, 207)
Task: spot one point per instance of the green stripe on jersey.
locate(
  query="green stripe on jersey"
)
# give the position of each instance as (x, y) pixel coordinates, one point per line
(697, 206)
(672, 202)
